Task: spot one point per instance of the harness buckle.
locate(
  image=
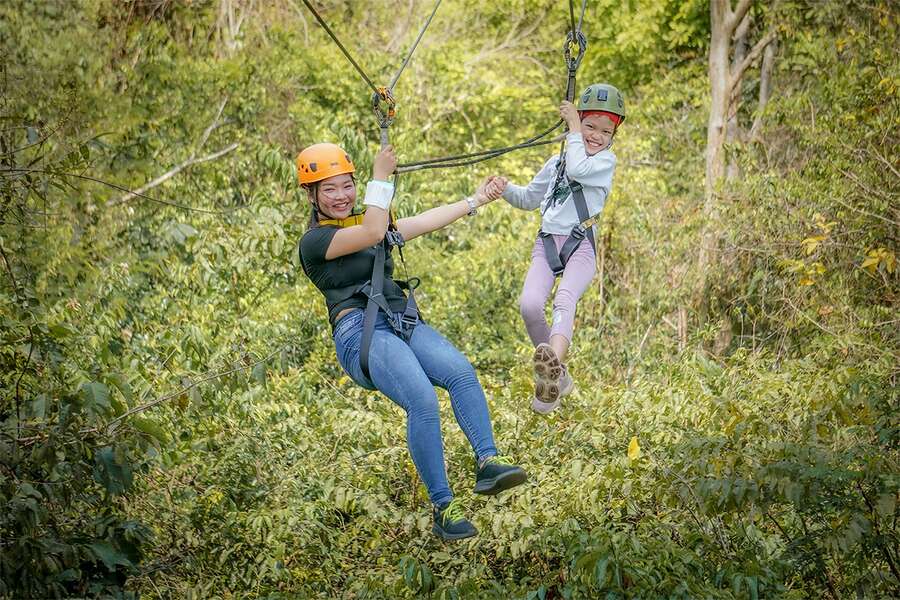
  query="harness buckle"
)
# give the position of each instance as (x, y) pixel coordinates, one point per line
(394, 238)
(579, 232)
(409, 321)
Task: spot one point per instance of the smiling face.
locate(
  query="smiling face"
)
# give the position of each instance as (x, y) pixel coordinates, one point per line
(336, 196)
(597, 131)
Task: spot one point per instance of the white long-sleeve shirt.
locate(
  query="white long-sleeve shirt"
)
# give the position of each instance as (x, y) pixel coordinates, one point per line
(594, 173)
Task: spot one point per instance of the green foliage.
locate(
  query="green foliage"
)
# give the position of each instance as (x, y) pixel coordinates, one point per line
(174, 422)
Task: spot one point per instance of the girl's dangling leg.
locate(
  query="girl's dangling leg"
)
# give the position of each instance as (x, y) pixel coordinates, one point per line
(535, 292)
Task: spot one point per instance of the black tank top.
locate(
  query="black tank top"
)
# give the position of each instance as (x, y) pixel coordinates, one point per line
(339, 279)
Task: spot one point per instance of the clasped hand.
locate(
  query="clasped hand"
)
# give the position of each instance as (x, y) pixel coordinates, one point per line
(490, 189)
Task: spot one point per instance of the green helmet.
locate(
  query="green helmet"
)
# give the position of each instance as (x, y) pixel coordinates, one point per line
(602, 96)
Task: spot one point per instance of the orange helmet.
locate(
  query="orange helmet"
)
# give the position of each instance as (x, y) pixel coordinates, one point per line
(321, 161)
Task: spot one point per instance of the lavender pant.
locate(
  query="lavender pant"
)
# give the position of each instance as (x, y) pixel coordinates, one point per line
(539, 283)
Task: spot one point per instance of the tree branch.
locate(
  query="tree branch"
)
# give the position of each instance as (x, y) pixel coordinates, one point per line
(733, 19)
(869, 191)
(738, 73)
(139, 409)
(170, 174)
(192, 159)
(212, 126)
(116, 186)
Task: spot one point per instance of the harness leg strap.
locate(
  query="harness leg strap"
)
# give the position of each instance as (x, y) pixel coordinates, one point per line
(552, 256)
(372, 309)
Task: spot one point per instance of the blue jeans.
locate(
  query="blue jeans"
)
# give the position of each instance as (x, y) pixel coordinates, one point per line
(407, 374)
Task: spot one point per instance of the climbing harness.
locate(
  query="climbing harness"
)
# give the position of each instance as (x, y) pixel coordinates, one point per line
(584, 229)
(372, 289)
(345, 222)
(384, 107)
(573, 38)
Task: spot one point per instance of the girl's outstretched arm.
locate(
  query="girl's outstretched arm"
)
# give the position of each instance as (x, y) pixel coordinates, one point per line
(530, 197)
(441, 216)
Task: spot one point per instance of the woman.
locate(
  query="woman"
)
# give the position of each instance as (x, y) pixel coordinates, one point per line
(348, 258)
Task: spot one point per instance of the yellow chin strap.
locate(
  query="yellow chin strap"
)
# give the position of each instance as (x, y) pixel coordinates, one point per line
(350, 221)
(346, 222)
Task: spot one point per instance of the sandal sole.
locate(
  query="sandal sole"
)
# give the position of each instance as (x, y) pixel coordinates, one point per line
(546, 364)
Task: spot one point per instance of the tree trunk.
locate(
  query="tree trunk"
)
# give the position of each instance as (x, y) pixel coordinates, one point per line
(724, 80)
(765, 88)
(715, 128)
(733, 132)
(231, 17)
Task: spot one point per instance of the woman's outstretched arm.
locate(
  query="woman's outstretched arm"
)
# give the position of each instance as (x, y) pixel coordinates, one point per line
(441, 216)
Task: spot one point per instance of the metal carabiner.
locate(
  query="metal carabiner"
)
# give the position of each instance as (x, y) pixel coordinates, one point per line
(383, 105)
(581, 40)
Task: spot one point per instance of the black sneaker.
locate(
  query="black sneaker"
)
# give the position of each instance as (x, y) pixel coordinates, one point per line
(449, 522)
(498, 474)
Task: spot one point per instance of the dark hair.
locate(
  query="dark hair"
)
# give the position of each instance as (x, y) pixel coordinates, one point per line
(312, 189)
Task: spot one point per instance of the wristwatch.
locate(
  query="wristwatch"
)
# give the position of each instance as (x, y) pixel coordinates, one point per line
(473, 206)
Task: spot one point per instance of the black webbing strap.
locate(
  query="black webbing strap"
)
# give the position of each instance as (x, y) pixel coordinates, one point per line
(579, 232)
(551, 254)
(373, 290)
(558, 261)
(376, 285)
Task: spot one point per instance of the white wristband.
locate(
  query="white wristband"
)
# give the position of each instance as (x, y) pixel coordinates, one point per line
(379, 193)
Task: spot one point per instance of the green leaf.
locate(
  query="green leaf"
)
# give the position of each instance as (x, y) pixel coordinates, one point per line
(151, 428)
(61, 330)
(110, 556)
(116, 476)
(39, 407)
(95, 394)
(886, 505)
(600, 571)
(752, 586)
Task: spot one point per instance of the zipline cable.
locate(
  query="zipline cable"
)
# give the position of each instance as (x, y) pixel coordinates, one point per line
(572, 17)
(575, 36)
(493, 154)
(383, 99)
(341, 46)
(435, 163)
(413, 48)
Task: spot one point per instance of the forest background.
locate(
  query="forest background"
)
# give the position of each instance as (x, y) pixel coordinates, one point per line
(174, 421)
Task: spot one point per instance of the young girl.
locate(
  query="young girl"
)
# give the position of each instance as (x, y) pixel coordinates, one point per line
(570, 193)
(379, 340)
